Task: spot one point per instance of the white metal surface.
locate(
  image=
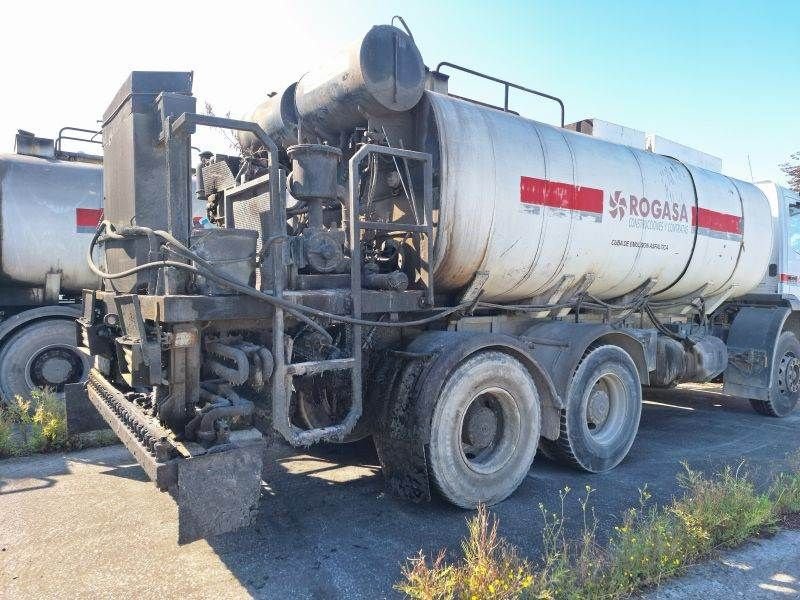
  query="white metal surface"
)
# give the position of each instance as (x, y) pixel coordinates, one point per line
(611, 132)
(785, 209)
(661, 145)
(538, 206)
(49, 210)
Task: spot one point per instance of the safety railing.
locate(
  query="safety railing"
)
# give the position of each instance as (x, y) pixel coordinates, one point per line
(507, 85)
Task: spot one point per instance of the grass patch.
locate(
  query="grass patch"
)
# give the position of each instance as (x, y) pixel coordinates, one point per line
(39, 424)
(650, 543)
(491, 568)
(785, 489)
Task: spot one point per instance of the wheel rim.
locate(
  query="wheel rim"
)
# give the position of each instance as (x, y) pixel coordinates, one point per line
(789, 378)
(489, 430)
(605, 408)
(790, 374)
(53, 367)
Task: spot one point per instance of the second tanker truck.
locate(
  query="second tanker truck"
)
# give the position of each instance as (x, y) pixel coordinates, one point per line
(50, 205)
(467, 286)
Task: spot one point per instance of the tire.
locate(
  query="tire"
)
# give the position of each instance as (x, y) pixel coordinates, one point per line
(41, 354)
(603, 408)
(310, 415)
(484, 430)
(785, 390)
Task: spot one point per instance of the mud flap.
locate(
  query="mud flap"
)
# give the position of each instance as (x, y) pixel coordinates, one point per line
(398, 443)
(751, 343)
(405, 470)
(218, 492)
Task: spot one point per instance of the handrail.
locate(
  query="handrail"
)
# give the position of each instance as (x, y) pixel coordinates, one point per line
(90, 140)
(506, 84)
(280, 396)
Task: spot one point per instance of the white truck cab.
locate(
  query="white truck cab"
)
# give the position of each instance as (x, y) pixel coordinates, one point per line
(783, 275)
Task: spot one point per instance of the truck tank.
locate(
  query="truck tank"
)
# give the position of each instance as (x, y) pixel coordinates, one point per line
(454, 355)
(49, 211)
(532, 204)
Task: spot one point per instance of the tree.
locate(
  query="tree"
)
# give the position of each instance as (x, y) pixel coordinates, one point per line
(792, 170)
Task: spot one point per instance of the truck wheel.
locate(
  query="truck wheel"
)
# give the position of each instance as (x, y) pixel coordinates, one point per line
(484, 430)
(785, 390)
(41, 354)
(601, 418)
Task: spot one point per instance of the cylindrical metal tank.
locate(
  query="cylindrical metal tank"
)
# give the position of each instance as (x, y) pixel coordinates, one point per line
(536, 206)
(380, 74)
(49, 211)
(277, 116)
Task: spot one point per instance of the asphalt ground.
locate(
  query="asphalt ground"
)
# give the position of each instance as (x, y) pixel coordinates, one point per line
(90, 524)
(764, 569)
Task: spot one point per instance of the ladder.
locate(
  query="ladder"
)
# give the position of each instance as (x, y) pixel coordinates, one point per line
(282, 381)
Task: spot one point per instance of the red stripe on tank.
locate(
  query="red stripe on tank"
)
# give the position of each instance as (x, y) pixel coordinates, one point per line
(716, 221)
(88, 217)
(543, 192)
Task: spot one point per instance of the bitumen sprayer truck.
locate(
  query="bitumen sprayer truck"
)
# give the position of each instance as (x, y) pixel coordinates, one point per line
(465, 285)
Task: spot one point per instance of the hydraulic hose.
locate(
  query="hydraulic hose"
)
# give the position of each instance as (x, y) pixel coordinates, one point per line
(206, 270)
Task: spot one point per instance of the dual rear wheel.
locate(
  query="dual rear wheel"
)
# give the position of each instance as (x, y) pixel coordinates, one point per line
(486, 423)
(484, 430)
(602, 413)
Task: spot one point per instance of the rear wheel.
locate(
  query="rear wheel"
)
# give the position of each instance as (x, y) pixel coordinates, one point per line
(785, 390)
(603, 408)
(484, 430)
(41, 354)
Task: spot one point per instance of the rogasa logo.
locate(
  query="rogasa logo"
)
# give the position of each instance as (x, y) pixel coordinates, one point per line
(619, 205)
(616, 205)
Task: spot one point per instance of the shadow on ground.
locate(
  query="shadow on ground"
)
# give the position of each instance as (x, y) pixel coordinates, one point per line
(326, 528)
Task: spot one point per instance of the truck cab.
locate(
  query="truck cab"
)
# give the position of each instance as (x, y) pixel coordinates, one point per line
(783, 276)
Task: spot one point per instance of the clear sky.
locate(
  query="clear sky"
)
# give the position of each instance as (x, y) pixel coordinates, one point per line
(723, 77)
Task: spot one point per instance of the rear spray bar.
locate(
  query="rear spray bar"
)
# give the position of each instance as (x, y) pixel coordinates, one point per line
(217, 490)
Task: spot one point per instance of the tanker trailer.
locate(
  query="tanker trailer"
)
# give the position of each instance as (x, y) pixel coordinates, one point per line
(50, 204)
(463, 284)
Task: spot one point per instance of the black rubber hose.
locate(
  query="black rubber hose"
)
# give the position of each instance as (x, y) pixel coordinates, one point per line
(179, 265)
(206, 270)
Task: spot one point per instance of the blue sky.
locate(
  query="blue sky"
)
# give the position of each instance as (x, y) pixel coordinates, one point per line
(723, 77)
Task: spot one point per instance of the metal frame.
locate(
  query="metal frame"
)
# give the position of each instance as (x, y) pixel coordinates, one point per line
(357, 225)
(281, 380)
(90, 140)
(506, 85)
(283, 375)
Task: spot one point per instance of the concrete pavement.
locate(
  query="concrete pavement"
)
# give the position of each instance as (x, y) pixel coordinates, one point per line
(89, 524)
(765, 569)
